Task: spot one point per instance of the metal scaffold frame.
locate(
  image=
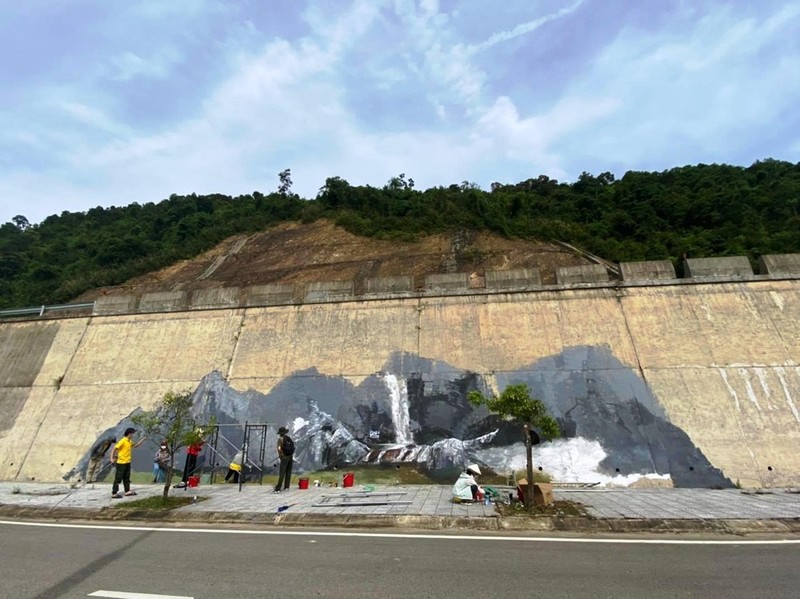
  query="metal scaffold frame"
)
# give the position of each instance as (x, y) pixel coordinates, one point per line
(253, 457)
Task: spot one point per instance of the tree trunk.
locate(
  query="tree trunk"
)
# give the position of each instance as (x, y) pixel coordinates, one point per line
(168, 478)
(529, 459)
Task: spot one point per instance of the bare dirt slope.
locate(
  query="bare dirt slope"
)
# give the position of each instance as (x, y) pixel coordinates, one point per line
(300, 253)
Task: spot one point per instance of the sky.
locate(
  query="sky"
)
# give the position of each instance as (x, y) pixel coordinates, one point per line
(106, 103)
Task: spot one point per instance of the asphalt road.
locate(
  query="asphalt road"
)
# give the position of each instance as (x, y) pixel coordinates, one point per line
(48, 562)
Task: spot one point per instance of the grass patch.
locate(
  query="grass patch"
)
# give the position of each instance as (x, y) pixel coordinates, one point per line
(156, 503)
(557, 509)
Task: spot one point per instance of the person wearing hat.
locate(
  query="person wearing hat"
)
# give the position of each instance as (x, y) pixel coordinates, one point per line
(161, 463)
(466, 488)
(96, 456)
(285, 453)
(122, 456)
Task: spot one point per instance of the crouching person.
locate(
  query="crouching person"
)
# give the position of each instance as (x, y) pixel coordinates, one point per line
(466, 488)
(235, 467)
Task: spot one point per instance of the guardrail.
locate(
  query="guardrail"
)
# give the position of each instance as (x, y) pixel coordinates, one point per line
(42, 310)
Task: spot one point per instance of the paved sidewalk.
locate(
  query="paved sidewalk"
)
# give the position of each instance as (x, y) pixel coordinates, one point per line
(426, 506)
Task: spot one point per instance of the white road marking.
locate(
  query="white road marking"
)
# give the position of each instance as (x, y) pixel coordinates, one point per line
(383, 535)
(124, 595)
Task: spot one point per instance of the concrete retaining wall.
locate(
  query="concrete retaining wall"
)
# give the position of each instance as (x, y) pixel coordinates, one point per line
(720, 359)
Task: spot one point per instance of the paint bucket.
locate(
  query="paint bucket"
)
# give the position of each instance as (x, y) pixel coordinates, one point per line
(303, 483)
(348, 480)
(193, 481)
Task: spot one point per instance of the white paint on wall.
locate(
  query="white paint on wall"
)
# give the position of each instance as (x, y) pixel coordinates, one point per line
(398, 394)
(777, 299)
(781, 372)
(731, 390)
(761, 375)
(573, 460)
(748, 385)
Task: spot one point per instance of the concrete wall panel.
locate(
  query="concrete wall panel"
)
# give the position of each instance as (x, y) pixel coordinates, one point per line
(728, 266)
(11, 401)
(688, 325)
(23, 349)
(586, 273)
(508, 279)
(62, 352)
(648, 270)
(350, 338)
(17, 441)
(779, 264)
(513, 330)
(116, 304)
(77, 415)
(745, 420)
(157, 347)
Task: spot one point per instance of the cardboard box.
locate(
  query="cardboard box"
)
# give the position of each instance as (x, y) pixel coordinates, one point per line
(542, 492)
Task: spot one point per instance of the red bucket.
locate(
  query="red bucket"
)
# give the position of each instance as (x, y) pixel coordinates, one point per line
(348, 480)
(193, 481)
(303, 483)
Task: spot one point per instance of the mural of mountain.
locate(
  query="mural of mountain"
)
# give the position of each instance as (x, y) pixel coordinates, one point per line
(416, 410)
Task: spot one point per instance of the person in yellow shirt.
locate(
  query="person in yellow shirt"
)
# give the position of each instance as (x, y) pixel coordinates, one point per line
(235, 467)
(122, 456)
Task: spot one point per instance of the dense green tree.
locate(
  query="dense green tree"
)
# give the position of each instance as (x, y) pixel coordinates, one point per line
(702, 211)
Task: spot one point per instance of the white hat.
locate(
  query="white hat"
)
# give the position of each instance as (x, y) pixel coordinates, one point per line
(474, 469)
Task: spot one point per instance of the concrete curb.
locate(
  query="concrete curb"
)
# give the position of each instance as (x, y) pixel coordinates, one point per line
(575, 524)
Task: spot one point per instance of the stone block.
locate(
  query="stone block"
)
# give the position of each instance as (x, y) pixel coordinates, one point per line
(388, 284)
(223, 297)
(115, 304)
(328, 291)
(163, 301)
(511, 279)
(725, 267)
(779, 264)
(449, 281)
(648, 270)
(586, 273)
(268, 295)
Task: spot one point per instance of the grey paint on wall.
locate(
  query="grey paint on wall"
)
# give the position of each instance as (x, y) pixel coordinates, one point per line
(590, 392)
(596, 397)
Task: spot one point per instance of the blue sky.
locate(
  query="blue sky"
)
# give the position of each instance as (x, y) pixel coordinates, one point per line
(107, 103)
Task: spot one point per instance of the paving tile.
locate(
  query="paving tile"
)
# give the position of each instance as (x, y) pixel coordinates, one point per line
(432, 500)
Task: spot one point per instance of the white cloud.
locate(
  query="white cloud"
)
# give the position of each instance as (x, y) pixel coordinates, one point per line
(688, 92)
(93, 117)
(129, 65)
(525, 28)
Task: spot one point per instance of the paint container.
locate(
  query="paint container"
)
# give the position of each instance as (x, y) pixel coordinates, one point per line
(193, 481)
(349, 479)
(302, 483)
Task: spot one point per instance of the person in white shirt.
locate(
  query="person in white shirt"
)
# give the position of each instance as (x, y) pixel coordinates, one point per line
(466, 487)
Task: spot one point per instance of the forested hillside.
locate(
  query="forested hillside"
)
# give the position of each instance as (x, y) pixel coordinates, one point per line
(700, 211)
